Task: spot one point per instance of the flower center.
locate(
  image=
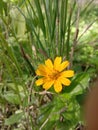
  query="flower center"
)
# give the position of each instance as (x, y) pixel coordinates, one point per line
(55, 74)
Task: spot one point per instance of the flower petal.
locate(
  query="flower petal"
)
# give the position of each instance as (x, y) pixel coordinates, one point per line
(38, 72)
(39, 81)
(41, 70)
(63, 65)
(49, 64)
(65, 81)
(57, 86)
(48, 84)
(57, 63)
(67, 73)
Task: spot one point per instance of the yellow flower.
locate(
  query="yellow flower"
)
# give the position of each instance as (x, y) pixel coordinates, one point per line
(54, 74)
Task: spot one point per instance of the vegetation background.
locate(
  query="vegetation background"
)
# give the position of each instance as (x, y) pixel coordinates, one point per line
(30, 32)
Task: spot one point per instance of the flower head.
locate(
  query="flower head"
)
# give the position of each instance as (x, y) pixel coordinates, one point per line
(54, 74)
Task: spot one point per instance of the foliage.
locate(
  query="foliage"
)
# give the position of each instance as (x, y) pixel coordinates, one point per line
(30, 32)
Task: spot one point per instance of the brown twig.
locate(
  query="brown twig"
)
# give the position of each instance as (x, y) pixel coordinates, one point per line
(88, 27)
(75, 38)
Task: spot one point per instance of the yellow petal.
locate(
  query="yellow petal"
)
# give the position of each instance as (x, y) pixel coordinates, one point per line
(39, 81)
(48, 71)
(63, 65)
(41, 70)
(65, 81)
(67, 73)
(48, 84)
(49, 64)
(38, 72)
(57, 63)
(57, 86)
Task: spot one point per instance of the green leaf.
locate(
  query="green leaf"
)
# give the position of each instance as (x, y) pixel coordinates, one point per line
(14, 118)
(41, 19)
(12, 98)
(45, 112)
(2, 100)
(94, 60)
(80, 98)
(79, 84)
(3, 7)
